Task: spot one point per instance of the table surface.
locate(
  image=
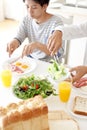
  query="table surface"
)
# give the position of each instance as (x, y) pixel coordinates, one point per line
(6, 95)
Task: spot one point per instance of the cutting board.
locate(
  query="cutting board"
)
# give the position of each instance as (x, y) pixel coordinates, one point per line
(60, 120)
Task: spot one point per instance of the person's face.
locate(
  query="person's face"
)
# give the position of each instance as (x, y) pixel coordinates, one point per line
(34, 9)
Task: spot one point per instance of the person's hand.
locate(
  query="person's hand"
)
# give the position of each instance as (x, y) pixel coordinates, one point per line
(55, 42)
(28, 49)
(80, 71)
(12, 46)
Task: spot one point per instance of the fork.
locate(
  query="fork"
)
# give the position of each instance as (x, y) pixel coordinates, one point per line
(16, 59)
(56, 58)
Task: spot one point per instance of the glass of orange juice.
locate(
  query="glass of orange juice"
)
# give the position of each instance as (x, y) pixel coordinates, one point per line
(6, 78)
(64, 90)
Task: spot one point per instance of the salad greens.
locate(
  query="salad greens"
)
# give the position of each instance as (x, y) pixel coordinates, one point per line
(27, 87)
(56, 70)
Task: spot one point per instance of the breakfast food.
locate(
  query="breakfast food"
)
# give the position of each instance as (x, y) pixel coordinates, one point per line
(57, 71)
(80, 105)
(29, 86)
(19, 66)
(30, 114)
(60, 120)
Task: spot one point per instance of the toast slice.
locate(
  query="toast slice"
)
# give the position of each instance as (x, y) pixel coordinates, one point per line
(80, 105)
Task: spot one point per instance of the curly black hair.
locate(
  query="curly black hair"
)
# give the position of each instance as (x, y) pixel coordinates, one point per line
(41, 2)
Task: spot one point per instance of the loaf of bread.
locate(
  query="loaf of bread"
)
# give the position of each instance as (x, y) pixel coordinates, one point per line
(30, 114)
(80, 105)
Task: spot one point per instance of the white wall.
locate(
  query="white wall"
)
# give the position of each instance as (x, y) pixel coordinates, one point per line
(1, 10)
(14, 9)
(71, 1)
(77, 46)
(77, 2)
(77, 52)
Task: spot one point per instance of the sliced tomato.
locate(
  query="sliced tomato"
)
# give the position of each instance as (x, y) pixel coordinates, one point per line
(32, 84)
(25, 88)
(37, 86)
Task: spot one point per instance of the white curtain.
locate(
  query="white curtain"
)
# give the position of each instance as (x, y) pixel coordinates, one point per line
(1, 10)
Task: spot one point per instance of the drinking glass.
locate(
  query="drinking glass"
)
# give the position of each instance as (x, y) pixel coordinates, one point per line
(64, 90)
(6, 78)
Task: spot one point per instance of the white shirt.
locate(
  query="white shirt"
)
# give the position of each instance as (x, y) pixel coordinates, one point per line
(73, 31)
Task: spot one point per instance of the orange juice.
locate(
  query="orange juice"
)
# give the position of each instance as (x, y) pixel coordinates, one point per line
(6, 77)
(64, 90)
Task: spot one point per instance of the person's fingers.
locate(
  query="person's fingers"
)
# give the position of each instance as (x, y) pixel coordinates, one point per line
(75, 78)
(10, 49)
(55, 49)
(50, 45)
(26, 51)
(73, 74)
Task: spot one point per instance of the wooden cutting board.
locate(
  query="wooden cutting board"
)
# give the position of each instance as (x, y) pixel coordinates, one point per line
(60, 120)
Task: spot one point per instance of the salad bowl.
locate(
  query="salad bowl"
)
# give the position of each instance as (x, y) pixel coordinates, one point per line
(58, 72)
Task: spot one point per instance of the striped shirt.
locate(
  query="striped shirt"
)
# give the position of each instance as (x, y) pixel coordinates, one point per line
(38, 33)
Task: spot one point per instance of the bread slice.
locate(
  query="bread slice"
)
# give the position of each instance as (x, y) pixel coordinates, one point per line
(80, 105)
(60, 120)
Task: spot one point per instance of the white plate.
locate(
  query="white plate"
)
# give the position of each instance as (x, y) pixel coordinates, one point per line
(81, 90)
(70, 108)
(26, 60)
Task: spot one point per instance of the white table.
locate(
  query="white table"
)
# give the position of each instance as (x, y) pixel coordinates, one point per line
(6, 95)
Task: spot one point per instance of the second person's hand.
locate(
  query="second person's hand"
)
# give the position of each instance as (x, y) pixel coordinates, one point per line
(55, 42)
(80, 71)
